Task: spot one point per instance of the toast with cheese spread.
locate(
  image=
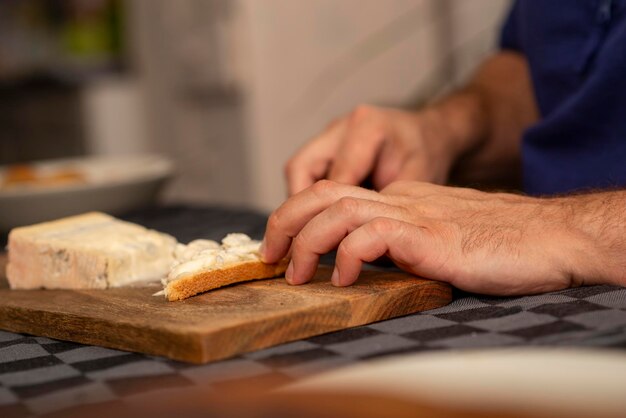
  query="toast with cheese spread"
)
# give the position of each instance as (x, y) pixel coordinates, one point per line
(204, 265)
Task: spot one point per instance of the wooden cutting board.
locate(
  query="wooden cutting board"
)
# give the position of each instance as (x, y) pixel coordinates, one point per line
(217, 324)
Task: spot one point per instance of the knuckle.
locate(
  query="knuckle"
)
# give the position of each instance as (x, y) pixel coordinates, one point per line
(300, 243)
(323, 187)
(275, 221)
(382, 226)
(362, 112)
(346, 249)
(347, 205)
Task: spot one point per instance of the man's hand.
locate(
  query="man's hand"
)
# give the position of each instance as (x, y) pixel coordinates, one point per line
(387, 144)
(491, 243)
(475, 130)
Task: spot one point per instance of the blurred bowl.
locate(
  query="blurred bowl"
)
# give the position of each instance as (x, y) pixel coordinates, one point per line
(108, 184)
(553, 382)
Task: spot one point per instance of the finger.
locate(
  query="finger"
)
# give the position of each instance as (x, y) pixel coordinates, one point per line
(326, 230)
(312, 161)
(406, 244)
(415, 169)
(287, 221)
(302, 175)
(391, 158)
(356, 155)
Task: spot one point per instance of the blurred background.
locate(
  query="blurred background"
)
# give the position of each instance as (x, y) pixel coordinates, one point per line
(226, 89)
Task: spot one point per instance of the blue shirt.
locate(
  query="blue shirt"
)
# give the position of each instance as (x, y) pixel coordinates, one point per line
(576, 50)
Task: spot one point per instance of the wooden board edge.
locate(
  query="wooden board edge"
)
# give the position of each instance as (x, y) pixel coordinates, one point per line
(423, 296)
(263, 334)
(84, 330)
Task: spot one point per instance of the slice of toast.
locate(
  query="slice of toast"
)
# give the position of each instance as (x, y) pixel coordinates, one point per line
(204, 265)
(203, 281)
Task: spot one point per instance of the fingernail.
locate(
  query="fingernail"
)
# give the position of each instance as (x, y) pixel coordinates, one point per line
(289, 272)
(335, 277)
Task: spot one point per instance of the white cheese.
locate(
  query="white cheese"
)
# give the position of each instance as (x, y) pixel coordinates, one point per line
(93, 250)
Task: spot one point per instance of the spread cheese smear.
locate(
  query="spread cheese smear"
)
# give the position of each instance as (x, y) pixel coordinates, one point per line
(207, 255)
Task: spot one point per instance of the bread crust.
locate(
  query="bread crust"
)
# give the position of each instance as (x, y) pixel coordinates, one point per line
(203, 281)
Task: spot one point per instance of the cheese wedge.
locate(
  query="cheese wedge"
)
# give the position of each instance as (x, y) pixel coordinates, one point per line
(204, 265)
(90, 251)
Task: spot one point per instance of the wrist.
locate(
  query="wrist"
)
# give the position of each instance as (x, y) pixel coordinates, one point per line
(596, 225)
(459, 120)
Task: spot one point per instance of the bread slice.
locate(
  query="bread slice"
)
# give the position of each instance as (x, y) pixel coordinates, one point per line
(89, 251)
(204, 265)
(203, 281)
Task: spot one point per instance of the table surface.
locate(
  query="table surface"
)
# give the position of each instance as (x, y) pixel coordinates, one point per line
(39, 375)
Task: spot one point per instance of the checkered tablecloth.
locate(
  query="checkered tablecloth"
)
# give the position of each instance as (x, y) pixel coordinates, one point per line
(39, 375)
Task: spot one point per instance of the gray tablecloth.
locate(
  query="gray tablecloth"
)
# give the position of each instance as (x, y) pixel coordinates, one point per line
(39, 375)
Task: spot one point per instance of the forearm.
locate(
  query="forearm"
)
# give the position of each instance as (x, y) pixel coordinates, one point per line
(485, 121)
(598, 221)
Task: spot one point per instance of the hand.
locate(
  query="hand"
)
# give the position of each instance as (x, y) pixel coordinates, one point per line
(389, 144)
(490, 243)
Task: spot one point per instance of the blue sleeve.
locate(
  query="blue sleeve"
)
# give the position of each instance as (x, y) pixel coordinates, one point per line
(510, 34)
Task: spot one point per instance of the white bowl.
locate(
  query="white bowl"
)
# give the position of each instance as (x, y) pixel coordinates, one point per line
(112, 185)
(562, 381)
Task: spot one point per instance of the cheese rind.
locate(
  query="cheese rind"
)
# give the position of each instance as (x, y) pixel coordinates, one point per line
(90, 251)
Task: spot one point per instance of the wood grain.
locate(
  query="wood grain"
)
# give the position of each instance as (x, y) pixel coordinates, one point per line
(3, 268)
(217, 324)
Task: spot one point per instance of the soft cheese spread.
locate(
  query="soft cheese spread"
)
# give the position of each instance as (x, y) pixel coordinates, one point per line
(204, 255)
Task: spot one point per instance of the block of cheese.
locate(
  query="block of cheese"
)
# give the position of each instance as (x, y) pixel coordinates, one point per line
(204, 265)
(90, 251)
